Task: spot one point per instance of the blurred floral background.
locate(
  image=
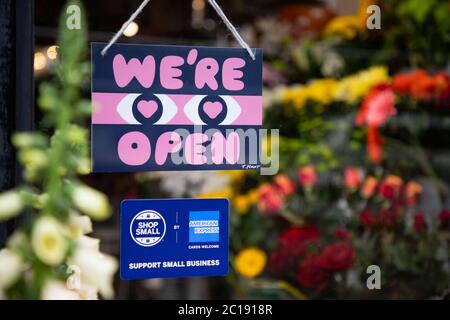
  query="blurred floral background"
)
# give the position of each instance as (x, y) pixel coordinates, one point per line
(364, 119)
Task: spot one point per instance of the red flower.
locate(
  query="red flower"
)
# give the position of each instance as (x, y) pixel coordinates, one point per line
(281, 262)
(307, 176)
(388, 217)
(270, 199)
(444, 98)
(337, 257)
(376, 109)
(391, 187)
(342, 234)
(296, 235)
(420, 222)
(310, 275)
(367, 218)
(352, 177)
(131, 195)
(285, 184)
(444, 219)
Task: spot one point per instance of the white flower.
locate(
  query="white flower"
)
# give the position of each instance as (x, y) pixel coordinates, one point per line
(88, 292)
(48, 241)
(85, 242)
(92, 202)
(79, 224)
(57, 290)
(97, 269)
(10, 205)
(11, 266)
(18, 240)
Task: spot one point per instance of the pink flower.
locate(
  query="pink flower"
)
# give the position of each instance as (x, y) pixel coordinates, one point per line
(270, 199)
(376, 109)
(307, 176)
(284, 184)
(352, 177)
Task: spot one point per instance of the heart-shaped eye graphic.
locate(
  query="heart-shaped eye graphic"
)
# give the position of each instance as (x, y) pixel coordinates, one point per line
(213, 109)
(147, 108)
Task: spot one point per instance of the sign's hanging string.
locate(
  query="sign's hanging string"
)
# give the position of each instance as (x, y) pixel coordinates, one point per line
(213, 3)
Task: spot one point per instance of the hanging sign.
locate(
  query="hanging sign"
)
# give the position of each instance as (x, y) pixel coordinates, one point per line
(158, 108)
(173, 238)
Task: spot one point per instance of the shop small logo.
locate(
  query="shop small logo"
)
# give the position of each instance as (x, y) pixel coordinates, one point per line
(204, 226)
(148, 228)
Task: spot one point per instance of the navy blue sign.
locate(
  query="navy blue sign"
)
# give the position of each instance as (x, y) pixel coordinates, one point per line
(175, 108)
(173, 238)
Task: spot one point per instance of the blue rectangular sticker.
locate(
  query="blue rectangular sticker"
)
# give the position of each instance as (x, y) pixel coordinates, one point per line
(161, 108)
(173, 238)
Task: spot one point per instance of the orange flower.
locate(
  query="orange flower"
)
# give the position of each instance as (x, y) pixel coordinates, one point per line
(442, 80)
(402, 83)
(352, 177)
(307, 176)
(284, 184)
(424, 87)
(413, 192)
(369, 186)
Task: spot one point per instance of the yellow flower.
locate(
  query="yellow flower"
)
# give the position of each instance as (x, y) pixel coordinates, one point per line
(321, 91)
(349, 26)
(344, 26)
(253, 196)
(354, 87)
(225, 192)
(236, 175)
(250, 262)
(294, 95)
(362, 12)
(242, 204)
(48, 241)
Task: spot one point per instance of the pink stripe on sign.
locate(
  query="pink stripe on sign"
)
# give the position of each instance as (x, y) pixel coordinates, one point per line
(105, 109)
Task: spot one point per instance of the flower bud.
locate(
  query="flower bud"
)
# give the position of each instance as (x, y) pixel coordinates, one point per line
(91, 202)
(10, 205)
